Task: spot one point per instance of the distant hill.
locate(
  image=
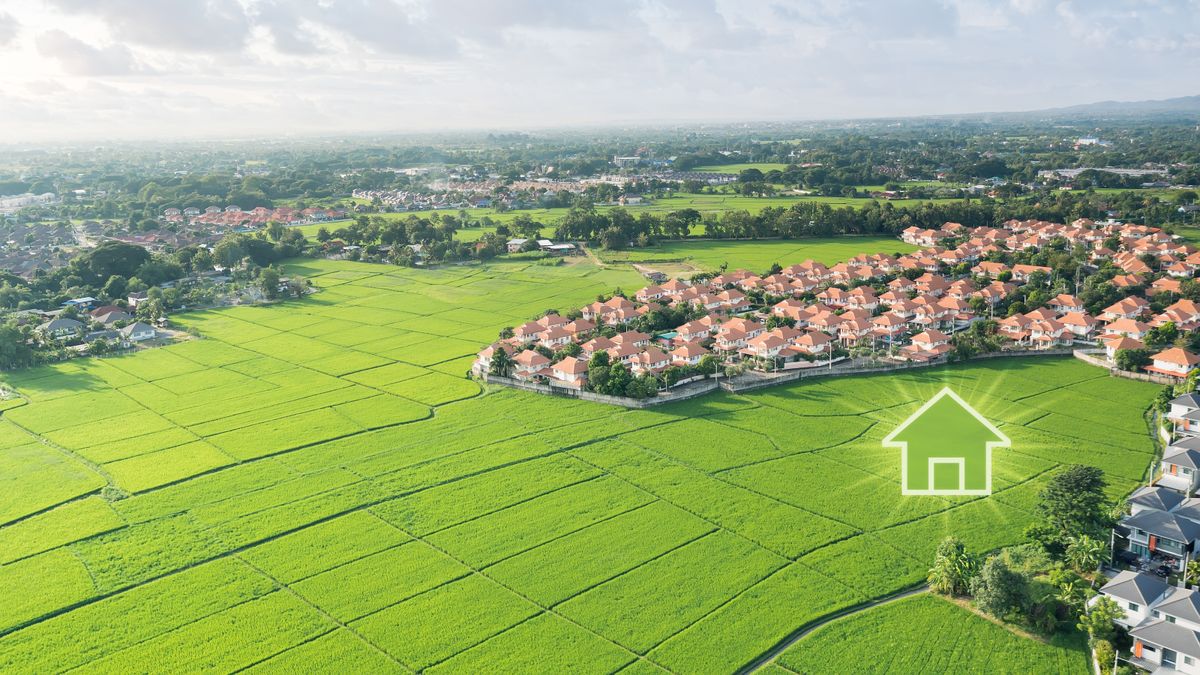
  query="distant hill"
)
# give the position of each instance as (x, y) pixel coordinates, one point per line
(1182, 104)
(1179, 106)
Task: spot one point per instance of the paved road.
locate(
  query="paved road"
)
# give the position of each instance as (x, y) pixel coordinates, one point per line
(770, 656)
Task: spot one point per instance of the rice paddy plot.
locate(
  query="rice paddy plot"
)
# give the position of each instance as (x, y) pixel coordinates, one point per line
(333, 446)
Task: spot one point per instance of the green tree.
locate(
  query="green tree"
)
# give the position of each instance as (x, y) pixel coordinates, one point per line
(501, 363)
(1097, 621)
(1193, 572)
(268, 281)
(619, 379)
(1085, 553)
(1132, 359)
(275, 230)
(151, 310)
(998, 590)
(114, 288)
(228, 253)
(114, 257)
(202, 261)
(598, 372)
(99, 347)
(15, 351)
(1073, 502)
(1105, 655)
(953, 568)
(1071, 594)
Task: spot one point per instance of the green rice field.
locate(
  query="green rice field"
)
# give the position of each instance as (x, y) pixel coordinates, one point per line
(757, 255)
(316, 487)
(929, 634)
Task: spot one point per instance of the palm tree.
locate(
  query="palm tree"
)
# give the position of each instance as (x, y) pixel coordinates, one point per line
(501, 363)
(1085, 553)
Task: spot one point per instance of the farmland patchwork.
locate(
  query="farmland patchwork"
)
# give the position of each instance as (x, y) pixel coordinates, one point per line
(319, 480)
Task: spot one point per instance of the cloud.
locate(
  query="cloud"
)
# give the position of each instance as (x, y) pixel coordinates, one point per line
(384, 26)
(76, 57)
(338, 66)
(183, 25)
(8, 28)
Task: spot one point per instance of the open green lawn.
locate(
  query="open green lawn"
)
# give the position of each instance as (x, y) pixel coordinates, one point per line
(315, 486)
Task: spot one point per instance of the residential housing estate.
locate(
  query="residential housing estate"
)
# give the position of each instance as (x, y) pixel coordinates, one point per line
(904, 308)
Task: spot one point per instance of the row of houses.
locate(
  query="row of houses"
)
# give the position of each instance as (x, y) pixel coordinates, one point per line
(824, 309)
(234, 216)
(1156, 540)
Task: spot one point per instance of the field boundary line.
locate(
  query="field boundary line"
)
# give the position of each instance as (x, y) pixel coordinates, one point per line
(544, 609)
(680, 506)
(756, 462)
(742, 592)
(238, 549)
(67, 452)
(506, 507)
(721, 479)
(647, 561)
(320, 610)
(574, 531)
(772, 654)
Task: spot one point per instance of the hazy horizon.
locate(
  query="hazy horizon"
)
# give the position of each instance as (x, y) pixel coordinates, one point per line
(96, 70)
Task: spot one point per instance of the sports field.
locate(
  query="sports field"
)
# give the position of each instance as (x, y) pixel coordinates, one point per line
(316, 487)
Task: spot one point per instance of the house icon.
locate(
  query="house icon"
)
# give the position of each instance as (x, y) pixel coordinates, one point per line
(946, 448)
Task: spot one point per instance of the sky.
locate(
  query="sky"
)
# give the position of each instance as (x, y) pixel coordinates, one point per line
(128, 69)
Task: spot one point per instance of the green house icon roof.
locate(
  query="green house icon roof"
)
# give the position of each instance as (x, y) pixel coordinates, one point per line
(946, 448)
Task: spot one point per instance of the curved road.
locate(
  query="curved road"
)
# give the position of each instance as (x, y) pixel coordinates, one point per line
(770, 656)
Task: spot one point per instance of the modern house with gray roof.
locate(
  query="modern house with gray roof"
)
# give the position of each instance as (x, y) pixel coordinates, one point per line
(1163, 528)
(58, 329)
(1184, 414)
(1163, 621)
(138, 331)
(1135, 592)
(1154, 498)
(1181, 465)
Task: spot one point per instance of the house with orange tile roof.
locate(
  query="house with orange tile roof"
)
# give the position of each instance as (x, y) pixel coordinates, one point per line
(1112, 345)
(1081, 324)
(688, 354)
(1132, 307)
(530, 365)
(1127, 327)
(651, 360)
(1175, 361)
(570, 372)
(1064, 303)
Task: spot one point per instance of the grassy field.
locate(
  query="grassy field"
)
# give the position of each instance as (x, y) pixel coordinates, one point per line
(928, 634)
(316, 486)
(757, 255)
(738, 168)
(705, 203)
